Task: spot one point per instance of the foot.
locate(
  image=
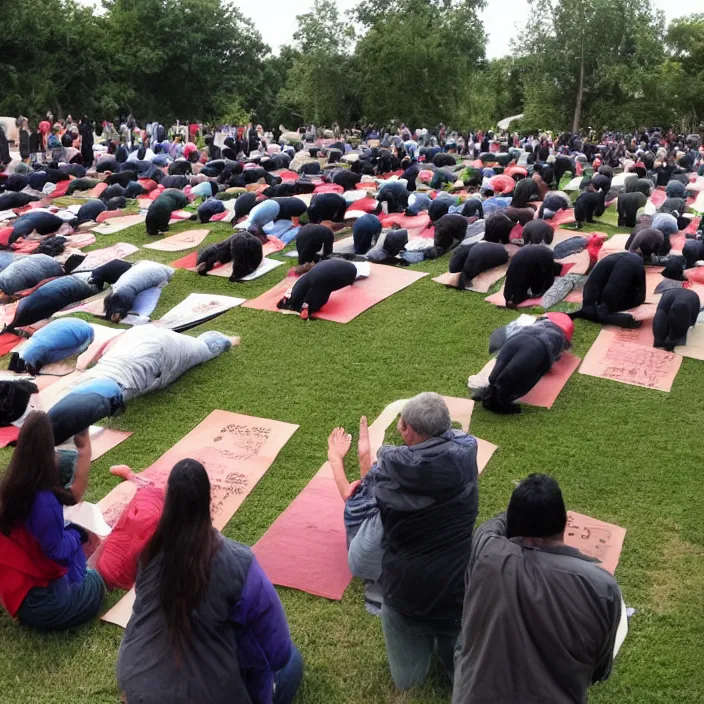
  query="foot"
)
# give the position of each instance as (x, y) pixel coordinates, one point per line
(202, 269)
(363, 444)
(305, 313)
(235, 340)
(122, 471)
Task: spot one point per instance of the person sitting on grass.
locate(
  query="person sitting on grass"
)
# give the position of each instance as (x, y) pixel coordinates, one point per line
(426, 492)
(44, 582)
(207, 624)
(542, 621)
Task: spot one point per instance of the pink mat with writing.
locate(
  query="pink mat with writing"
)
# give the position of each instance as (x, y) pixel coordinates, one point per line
(595, 538)
(349, 302)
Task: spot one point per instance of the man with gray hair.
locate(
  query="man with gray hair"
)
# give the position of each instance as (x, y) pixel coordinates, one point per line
(426, 496)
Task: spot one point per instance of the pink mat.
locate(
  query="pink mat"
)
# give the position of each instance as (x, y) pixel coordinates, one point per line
(8, 435)
(306, 548)
(595, 538)
(417, 225)
(347, 303)
(480, 283)
(658, 197)
(107, 440)
(179, 242)
(630, 362)
(563, 217)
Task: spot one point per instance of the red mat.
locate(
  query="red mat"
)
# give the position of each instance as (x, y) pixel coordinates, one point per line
(61, 188)
(8, 342)
(8, 435)
(658, 197)
(365, 205)
(347, 303)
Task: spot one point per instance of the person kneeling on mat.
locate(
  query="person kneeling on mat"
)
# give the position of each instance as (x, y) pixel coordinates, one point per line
(473, 259)
(312, 290)
(531, 272)
(207, 609)
(677, 311)
(526, 354)
(617, 283)
(44, 581)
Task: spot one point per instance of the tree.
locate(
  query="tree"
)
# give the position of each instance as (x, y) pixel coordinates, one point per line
(417, 58)
(319, 86)
(685, 66)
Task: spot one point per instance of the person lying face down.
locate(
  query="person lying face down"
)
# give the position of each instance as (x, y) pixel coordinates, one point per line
(204, 600)
(531, 272)
(313, 243)
(49, 298)
(39, 221)
(58, 340)
(557, 640)
(526, 354)
(312, 290)
(365, 233)
(26, 272)
(137, 278)
(617, 283)
(140, 360)
(677, 311)
(473, 259)
(243, 249)
(159, 212)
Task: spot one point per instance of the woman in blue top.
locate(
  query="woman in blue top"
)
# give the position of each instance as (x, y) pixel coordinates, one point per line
(32, 495)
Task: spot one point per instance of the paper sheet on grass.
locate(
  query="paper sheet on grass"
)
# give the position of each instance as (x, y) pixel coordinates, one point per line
(98, 257)
(595, 538)
(305, 548)
(179, 242)
(347, 303)
(630, 362)
(196, 309)
(265, 267)
(499, 300)
(115, 225)
(236, 451)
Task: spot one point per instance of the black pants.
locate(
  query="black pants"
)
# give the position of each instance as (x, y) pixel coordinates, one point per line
(521, 364)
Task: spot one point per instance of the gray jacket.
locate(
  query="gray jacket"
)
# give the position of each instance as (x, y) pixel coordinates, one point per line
(539, 625)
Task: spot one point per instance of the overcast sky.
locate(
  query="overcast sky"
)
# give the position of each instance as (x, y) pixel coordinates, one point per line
(276, 19)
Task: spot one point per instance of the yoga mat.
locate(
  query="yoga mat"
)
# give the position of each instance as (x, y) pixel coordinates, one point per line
(196, 309)
(563, 217)
(481, 283)
(615, 243)
(236, 451)
(8, 435)
(95, 192)
(545, 392)
(190, 260)
(579, 261)
(657, 198)
(102, 440)
(265, 267)
(347, 303)
(498, 299)
(417, 225)
(630, 362)
(8, 342)
(595, 538)
(177, 243)
(694, 349)
(118, 224)
(95, 305)
(305, 548)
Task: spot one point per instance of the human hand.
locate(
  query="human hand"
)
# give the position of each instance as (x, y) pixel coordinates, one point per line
(338, 444)
(351, 489)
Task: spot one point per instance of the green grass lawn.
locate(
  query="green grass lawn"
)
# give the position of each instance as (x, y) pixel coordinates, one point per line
(623, 454)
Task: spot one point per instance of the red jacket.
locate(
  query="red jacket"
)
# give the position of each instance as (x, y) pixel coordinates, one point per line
(23, 566)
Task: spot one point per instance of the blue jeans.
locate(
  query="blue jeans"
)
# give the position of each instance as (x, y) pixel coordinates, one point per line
(411, 644)
(62, 605)
(288, 679)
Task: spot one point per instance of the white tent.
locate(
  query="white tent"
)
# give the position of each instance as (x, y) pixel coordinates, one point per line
(503, 124)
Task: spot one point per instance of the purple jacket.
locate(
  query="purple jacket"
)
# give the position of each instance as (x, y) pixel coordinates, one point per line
(46, 523)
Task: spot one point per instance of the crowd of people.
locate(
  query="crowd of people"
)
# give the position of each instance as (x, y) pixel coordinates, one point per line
(511, 612)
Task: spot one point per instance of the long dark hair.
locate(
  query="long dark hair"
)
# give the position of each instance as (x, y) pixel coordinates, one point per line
(186, 542)
(33, 468)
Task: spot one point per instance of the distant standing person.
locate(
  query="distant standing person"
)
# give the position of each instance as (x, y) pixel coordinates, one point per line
(540, 618)
(85, 128)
